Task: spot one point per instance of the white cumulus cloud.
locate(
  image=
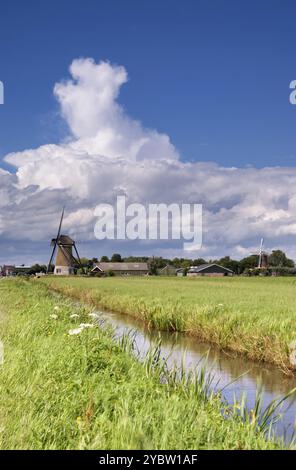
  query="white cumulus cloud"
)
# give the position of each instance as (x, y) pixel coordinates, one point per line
(107, 152)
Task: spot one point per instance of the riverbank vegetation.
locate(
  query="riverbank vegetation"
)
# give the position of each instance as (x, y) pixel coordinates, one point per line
(250, 316)
(66, 383)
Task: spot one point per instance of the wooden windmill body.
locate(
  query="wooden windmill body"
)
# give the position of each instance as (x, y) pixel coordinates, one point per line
(64, 264)
(262, 256)
(66, 261)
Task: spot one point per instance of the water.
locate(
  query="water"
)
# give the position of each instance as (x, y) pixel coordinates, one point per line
(226, 368)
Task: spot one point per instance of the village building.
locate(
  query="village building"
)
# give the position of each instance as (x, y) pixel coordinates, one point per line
(209, 269)
(180, 272)
(121, 269)
(7, 270)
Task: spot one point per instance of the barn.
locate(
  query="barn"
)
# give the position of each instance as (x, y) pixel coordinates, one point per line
(210, 270)
(121, 269)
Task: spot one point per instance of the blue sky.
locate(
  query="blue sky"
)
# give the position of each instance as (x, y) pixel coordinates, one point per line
(208, 81)
(214, 75)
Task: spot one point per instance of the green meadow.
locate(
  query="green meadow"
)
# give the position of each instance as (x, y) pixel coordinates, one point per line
(251, 316)
(66, 383)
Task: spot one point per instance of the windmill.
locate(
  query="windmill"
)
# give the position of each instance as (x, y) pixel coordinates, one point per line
(65, 260)
(262, 256)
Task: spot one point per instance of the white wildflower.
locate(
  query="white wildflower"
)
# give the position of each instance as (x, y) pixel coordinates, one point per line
(81, 327)
(86, 325)
(76, 331)
(54, 316)
(56, 308)
(94, 315)
(74, 315)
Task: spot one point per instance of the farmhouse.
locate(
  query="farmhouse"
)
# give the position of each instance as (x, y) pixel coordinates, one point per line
(121, 269)
(209, 269)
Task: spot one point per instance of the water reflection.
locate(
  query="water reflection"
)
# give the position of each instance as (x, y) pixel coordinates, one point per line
(226, 368)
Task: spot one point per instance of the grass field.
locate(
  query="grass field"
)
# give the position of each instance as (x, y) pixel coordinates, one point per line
(252, 316)
(85, 391)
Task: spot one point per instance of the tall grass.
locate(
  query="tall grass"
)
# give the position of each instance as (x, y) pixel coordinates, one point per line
(251, 316)
(87, 391)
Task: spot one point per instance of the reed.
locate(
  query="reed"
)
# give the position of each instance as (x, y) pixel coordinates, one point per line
(250, 316)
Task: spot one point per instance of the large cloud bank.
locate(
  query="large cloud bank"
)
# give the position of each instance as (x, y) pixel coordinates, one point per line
(108, 153)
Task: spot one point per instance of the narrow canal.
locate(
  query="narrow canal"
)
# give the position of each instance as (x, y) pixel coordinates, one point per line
(238, 374)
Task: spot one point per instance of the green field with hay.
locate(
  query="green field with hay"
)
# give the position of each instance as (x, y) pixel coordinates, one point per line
(68, 386)
(253, 316)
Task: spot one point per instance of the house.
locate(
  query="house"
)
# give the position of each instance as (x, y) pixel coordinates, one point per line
(7, 270)
(180, 272)
(209, 269)
(121, 269)
(168, 270)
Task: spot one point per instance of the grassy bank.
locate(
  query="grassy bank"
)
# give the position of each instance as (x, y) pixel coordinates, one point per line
(84, 391)
(252, 316)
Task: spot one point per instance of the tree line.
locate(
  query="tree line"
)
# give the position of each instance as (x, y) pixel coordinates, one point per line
(277, 261)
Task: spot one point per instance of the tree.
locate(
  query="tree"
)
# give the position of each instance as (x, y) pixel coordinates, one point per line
(186, 263)
(155, 263)
(158, 262)
(116, 258)
(198, 262)
(153, 266)
(250, 262)
(136, 259)
(37, 268)
(176, 262)
(279, 259)
(84, 262)
(104, 259)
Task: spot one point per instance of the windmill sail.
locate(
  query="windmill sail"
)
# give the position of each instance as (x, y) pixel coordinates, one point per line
(55, 241)
(260, 253)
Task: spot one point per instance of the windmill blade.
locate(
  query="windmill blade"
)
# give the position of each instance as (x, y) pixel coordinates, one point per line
(51, 258)
(260, 253)
(78, 257)
(56, 241)
(61, 221)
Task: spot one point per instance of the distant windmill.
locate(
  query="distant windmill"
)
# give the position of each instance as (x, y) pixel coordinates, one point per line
(65, 260)
(262, 256)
